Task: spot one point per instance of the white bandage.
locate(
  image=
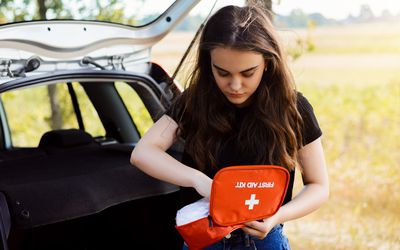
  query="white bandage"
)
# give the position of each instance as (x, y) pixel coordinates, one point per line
(193, 212)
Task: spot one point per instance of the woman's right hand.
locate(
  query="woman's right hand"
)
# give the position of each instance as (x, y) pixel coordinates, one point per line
(202, 183)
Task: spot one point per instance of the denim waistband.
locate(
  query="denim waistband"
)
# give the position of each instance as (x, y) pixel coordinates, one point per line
(239, 236)
(240, 233)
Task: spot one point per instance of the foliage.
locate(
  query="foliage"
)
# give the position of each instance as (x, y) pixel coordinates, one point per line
(353, 84)
(361, 131)
(139, 114)
(61, 9)
(30, 123)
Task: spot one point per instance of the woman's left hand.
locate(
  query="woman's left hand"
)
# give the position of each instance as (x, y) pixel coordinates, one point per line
(260, 229)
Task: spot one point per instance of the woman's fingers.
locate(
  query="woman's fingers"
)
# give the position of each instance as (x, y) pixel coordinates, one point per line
(253, 232)
(259, 226)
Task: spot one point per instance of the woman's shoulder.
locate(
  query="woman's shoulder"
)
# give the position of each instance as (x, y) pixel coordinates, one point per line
(303, 104)
(311, 129)
(176, 108)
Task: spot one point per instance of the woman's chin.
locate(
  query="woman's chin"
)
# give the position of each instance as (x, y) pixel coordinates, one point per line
(239, 102)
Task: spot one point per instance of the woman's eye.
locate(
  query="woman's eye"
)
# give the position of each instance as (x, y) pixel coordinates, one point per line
(223, 74)
(248, 74)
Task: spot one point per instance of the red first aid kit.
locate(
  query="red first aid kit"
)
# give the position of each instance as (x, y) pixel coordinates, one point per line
(239, 194)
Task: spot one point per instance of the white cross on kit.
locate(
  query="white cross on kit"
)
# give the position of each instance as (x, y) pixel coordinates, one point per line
(252, 202)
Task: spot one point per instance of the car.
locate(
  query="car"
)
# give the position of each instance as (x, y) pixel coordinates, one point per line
(65, 177)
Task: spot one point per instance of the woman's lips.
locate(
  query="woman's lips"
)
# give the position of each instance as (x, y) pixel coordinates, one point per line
(235, 95)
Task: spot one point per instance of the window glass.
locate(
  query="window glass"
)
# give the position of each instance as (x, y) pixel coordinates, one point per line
(29, 113)
(140, 115)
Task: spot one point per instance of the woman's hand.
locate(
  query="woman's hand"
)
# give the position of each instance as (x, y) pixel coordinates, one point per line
(202, 183)
(260, 229)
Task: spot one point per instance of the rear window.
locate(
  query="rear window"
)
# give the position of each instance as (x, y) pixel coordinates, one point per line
(29, 113)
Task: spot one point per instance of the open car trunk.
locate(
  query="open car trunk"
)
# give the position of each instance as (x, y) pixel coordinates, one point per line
(75, 191)
(86, 196)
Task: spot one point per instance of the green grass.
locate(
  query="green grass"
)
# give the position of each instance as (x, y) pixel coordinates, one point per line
(352, 39)
(352, 78)
(361, 141)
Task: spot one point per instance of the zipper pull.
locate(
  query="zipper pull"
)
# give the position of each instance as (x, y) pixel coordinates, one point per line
(210, 222)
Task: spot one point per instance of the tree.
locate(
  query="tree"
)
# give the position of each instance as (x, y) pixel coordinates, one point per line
(56, 117)
(366, 13)
(266, 4)
(17, 13)
(298, 17)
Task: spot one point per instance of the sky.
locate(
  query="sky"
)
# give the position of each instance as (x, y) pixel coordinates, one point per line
(337, 9)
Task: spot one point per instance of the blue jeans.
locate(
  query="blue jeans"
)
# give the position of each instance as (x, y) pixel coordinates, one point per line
(275, 240)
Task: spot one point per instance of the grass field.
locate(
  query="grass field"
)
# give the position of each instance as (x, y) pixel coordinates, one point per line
(352, 78)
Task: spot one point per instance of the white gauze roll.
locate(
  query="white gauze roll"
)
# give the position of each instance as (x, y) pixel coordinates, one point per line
(193, 212)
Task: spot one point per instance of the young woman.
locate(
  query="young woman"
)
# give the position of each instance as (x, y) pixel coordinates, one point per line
(240, 108)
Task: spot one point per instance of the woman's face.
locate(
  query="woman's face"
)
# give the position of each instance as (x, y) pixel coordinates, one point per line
(237, 73)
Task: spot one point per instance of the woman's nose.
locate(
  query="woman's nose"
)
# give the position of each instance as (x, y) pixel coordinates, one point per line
(235, 83)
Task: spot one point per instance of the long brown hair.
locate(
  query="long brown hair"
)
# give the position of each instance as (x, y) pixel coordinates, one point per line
(272, 127)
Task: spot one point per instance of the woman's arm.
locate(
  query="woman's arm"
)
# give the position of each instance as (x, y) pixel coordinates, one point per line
(149, 155)
(314, 193)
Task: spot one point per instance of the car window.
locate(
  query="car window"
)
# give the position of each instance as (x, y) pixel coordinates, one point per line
(138, 111)
(29, 113)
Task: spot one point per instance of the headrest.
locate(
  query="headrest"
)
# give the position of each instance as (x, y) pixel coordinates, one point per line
(65, 138)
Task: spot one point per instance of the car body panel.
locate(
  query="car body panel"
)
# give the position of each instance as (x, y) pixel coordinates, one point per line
(72, 39)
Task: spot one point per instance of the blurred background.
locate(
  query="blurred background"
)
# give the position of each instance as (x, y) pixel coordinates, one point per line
(345, 57)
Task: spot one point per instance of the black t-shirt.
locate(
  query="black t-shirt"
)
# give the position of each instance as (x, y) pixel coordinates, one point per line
(230, 156)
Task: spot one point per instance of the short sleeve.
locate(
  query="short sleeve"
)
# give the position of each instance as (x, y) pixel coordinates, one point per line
(175, 110)
(310, 130)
